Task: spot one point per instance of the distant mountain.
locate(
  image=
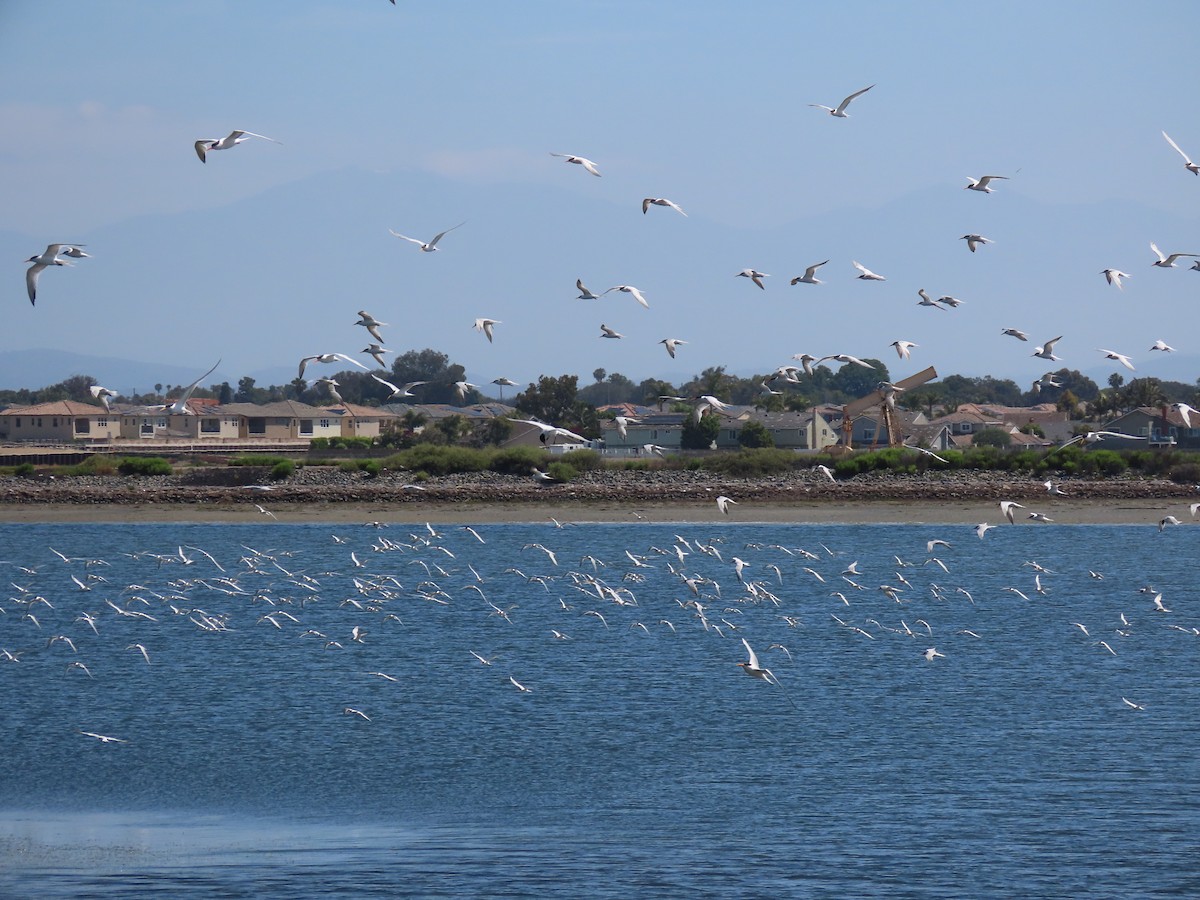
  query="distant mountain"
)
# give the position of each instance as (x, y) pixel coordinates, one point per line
(40, 368)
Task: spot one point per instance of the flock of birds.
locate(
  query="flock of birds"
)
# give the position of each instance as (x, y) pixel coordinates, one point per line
(366, 597)
(61, 254)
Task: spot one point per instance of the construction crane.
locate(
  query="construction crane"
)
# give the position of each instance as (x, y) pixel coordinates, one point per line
(853, 410)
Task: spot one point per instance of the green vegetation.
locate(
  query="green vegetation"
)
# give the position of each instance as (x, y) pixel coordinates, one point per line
(144, 465)
(341, 443)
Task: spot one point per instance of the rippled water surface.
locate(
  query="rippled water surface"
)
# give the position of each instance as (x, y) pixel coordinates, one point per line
(641, 762)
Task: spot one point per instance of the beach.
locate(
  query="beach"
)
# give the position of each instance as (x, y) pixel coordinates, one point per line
(326, 495)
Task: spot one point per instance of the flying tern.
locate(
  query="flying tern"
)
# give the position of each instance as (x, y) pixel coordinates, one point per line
(369, 322)
(810, 275)
(431, 246)
(839, 111)
(1166, 262)
(982, 184)
(660, 201)
(867, 274)
(974, 240)
(754, 275)
(1187, 163)
(1114, 276)
(48, 257)
(579, 161)
(204, 145)
(485, 326)
(632, 291)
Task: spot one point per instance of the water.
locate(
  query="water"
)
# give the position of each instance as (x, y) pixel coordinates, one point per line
(643, 762)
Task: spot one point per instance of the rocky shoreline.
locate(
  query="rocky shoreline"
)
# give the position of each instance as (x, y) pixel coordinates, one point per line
(327, 485)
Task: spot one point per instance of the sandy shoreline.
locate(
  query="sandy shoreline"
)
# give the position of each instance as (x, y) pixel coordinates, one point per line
(969, 512)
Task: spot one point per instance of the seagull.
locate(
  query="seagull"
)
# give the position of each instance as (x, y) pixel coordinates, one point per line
(502, 383)
(1124, 700)
(1187, 163)
(723, 503)
(671, 344)
(1039, 517)
(1119, 357)
(606, 332)
(75, 252)
(1007, 507)
(584, 293)
(351, 711)
(405, 391)
(1017, 333)
(827, 472)
(1167, 520)
(839, 111)
(332, 386)
(431, 246)
(369, 322)
(549, 434)
(660, 201)
(104, 738)
(1166, 262)
(932, 653)
(926, 300)
(141, 648)
(102, 394)
(485, 325)
(483, 660)
(847, 358)
(328, 358)
(234, 138)
(974, 240)
(630, 289)
(266, 512)
(580, 161)
(461, 388)
(1162, 345)
(179, 406)
(1185, 413)
(981, 184)
(754, 275)
(867, 274)
(982, 528)
(377, 352)
(809, 276)
(1052, 488)
(1114, 276)
(1046, 351)
(520, 687)
(952, 302)
(49, 257)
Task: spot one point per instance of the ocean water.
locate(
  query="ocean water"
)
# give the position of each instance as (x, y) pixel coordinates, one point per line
(642, 761)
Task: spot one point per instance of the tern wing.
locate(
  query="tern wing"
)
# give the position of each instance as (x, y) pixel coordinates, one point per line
(842, 106)
(1177, 150)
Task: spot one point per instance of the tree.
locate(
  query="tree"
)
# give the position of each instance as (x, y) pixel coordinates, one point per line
(455, 428)
(224, 393)
(599, 375)
(418, 365)
(755, 434)
(552, 399)
(496, 431)
(1143, 392)
(699, 435)
(992, 437)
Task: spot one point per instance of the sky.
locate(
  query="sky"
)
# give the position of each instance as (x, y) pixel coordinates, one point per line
(418, 116)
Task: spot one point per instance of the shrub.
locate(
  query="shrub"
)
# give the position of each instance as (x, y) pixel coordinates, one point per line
(563, 471)
(1104, 462)
(257, 459)
(144, 465)
(320, 443)
(517, 460)
(282, 470)
(1186, 473)
(992, 437)
(443, 460)
(24, 470)
(751, 463)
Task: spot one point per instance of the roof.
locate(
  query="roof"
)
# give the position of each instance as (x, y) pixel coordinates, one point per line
(57, 408)
(360, 412)
(292, 409)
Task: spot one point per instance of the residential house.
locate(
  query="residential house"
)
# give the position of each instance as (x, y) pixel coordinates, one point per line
(60, 420)
(362, 421)
(283, 420)
(1152, 426)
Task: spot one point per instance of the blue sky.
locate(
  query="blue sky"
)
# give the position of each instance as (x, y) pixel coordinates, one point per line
(451, 110)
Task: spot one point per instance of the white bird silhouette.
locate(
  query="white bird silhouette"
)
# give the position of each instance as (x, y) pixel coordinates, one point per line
(1166, 262)
(1017, 333)
(926, 300)
(1162, 345)
(405, 391)
(1119, 357)
(632, 291)
(723, 503)
(48, 257)
(1114, 276)
(376, 352)
(580, 161)
(974, 240)
(179, 406)
(754, 275)
(607, 332)
(1046, 351)
(430, 246)
(332, 386)
(671, 344)
(369, 322)
(1187, 163)
(204, 145)
(809, 276)
(867, 274)
(839, 111)
(660, 201)
(584, 293)
(981, 184)
(485, 326)
(103, 394)
(328, 358)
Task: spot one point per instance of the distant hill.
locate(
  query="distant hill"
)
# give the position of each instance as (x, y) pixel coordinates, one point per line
(39, 368)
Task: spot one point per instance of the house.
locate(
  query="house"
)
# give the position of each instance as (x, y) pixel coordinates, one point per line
(203, 421)
(795, 430)
(60, 420)
(362, 421)
(283, 420)
(1152, 426)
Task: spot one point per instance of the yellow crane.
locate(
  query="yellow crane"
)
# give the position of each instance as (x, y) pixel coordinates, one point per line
(854, 409)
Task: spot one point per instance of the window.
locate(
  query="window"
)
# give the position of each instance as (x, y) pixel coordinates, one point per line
(869, 434)
(18, 421)
(102, 423)
(83, 426)
(210, 426)
(325, 423)
(306, 426)
(256, 425)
